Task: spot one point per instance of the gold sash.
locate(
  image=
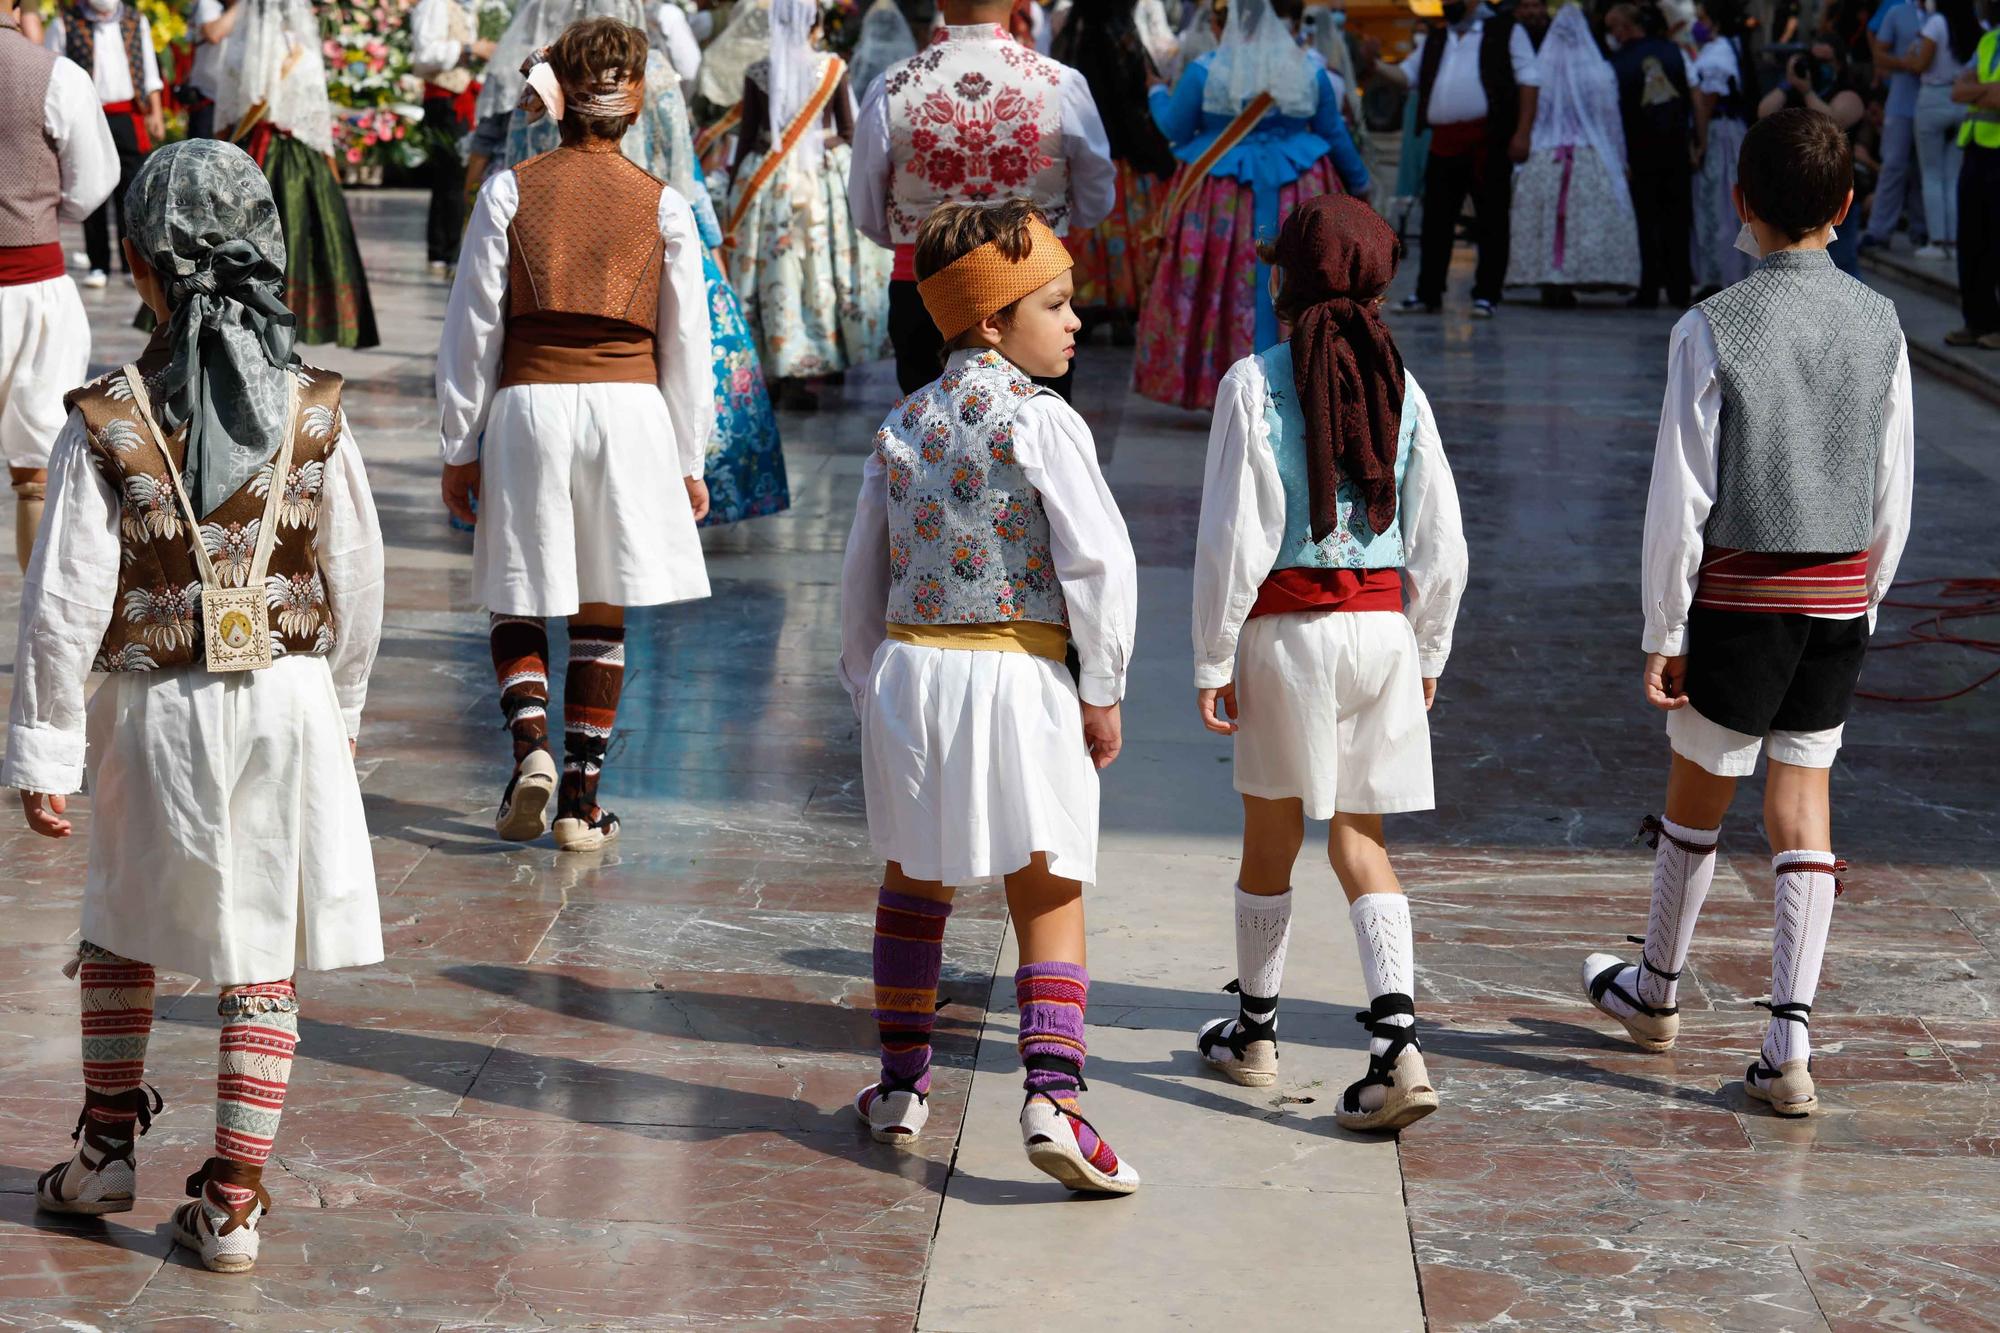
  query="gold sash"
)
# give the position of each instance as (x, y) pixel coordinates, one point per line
(1006, 636)
(1194, 173)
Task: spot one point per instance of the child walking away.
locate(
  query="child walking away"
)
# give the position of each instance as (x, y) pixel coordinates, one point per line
(1779, 506)
(984, 540)
(1328, 569)
(210, 543)
(577, 341)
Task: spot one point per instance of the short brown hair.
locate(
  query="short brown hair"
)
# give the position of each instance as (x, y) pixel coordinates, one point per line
(589, 54)
(953, 231)
(1796, 168)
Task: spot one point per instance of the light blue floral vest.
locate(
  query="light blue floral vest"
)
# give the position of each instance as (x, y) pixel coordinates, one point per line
(968, 537)
(1352, 544)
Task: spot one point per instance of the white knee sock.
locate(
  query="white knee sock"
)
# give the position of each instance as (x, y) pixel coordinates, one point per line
(1804, 895)
(1381, 924)
(1683, 868)
(1263, 929)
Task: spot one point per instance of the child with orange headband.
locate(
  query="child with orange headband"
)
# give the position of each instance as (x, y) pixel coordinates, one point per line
(984, 542)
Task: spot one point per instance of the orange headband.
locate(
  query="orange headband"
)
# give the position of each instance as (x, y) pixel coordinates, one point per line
(983, 281)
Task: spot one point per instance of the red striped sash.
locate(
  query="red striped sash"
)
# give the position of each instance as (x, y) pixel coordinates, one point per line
(1779, 581)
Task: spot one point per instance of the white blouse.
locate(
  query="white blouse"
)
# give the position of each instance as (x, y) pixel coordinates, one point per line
(475, 328)
(1243, 527)
(1087, 539)
(71, 588)
(1684, 482)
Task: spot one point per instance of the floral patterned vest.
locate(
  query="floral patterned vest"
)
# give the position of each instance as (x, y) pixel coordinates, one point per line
(968, 537)
(1352, 544)
(156, 619)
(975, 117)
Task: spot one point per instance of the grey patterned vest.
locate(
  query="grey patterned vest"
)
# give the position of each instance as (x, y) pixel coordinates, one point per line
(968, 537)
(27, 159)
(1805, 356)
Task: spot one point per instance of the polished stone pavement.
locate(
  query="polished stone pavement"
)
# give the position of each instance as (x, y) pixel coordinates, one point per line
(609, 1091)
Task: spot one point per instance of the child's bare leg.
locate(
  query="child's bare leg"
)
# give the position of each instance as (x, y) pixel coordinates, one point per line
(1052, 991)
(1245, 1048)
(1643, 995)
(591, 687)
(910, 916)
(1798, 820)
(1397, 1090)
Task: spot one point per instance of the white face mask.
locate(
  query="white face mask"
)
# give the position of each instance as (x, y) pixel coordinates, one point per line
(104, 9)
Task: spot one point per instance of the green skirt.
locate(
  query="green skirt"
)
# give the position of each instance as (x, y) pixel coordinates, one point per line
(325, 287)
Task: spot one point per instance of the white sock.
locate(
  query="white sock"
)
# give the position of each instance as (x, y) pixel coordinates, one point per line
(1263, 930)
(1381, 924)
(1804, 895)
(1680, 886)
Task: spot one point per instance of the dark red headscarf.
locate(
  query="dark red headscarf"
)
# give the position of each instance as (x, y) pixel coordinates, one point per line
(1338, 256)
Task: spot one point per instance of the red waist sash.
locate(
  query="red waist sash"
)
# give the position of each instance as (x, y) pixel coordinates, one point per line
(1769, 581)
(23, 264)
(138, 115)
(464, 106)
(1329, 590)
(905, 267)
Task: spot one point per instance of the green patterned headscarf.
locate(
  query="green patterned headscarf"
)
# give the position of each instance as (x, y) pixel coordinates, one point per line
(200, 214)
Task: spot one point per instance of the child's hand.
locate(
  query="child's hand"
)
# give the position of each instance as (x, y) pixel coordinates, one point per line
(461, 488)
(1218, 720)
(1666, 680)
(1102, 733)
(1430, 692)
(45, 814)
(697, 497)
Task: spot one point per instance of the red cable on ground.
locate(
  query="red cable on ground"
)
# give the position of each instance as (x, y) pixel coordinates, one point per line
(1964, 599)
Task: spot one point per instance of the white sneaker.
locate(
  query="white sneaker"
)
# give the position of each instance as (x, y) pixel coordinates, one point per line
(439, 266)
(893, 1117)
(1050, 1138)
(79, 259)
(79, 1188)
(1932, 252)
(94, 279)
(204, 1229)
(524, 805)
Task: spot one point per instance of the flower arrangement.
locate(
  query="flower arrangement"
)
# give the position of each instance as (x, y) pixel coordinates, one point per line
(376, 97)
(167, 20)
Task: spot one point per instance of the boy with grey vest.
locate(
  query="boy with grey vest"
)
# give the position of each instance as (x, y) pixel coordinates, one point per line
(1779, 506)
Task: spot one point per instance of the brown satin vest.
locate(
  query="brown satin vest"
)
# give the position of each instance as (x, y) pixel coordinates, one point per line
(156, 620)
(28, 162)
(584, 258)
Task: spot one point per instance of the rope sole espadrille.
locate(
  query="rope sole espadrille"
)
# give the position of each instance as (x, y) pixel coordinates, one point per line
(1653, 1031)
(524, 809)
(195, 1232)
(111, 1188)
(1255, 1066)
(575, 834)
(1053, 1150)
(894, 1118)
(1788, 1089)
(1407, 1098)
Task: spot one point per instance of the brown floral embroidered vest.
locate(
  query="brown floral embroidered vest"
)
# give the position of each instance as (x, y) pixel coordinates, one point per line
(156, 620)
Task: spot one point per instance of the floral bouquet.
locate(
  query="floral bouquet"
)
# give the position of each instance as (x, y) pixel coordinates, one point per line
(376, 96)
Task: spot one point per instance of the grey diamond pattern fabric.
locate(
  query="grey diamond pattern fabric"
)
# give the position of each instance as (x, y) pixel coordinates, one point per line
(1805, 356)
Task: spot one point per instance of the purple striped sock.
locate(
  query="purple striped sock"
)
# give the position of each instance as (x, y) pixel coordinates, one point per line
(909, 956)
(1051, 997)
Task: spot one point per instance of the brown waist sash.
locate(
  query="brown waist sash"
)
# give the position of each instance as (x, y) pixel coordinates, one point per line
(552, 348)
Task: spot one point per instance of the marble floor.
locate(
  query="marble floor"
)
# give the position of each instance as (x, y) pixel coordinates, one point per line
(609, 1091)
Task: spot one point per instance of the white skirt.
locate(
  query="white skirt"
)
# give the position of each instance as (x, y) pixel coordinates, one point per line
(581, 500)
(44, 353)
(1330, 707)
(228, 838)
(1574, 232)
(974, 760)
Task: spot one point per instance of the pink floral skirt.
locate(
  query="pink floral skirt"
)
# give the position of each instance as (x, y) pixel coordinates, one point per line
(1115, 260)
(1201, 316)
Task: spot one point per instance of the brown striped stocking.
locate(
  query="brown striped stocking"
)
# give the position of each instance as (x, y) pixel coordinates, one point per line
(521, 661)
(590, 708)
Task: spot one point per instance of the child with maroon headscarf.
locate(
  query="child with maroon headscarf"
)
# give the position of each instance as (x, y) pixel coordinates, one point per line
(1328, 570)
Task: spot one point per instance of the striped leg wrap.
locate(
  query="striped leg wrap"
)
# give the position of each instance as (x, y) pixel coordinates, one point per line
(260, 1030)
(909, 956)
(117, 1006)
(1052, 998)
(521, 662)
(590, 709)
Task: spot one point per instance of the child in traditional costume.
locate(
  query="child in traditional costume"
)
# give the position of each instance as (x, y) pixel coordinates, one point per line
(984, 541)
(815, 290)
(274, 103)
(61, 163)
(577, 342)
(447, 51)
(113, 43)
(1328, 569)
(211, 544)
(1779, 507)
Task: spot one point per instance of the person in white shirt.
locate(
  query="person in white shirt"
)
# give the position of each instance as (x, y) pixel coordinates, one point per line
(1944, 48)
(114, 42)
(1779, 507)
(210, 25)
(447, 52)
(908, 160)
(59, 162)
(1329, 563)
(1476, 80)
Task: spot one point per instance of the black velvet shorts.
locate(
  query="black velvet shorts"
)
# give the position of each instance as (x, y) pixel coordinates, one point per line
(1763, 671)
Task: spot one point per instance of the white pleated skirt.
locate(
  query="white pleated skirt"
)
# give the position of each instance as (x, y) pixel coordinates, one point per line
(974, 760)
(44, 353)
(1330, 707)
(581, 500)
(227, 833)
